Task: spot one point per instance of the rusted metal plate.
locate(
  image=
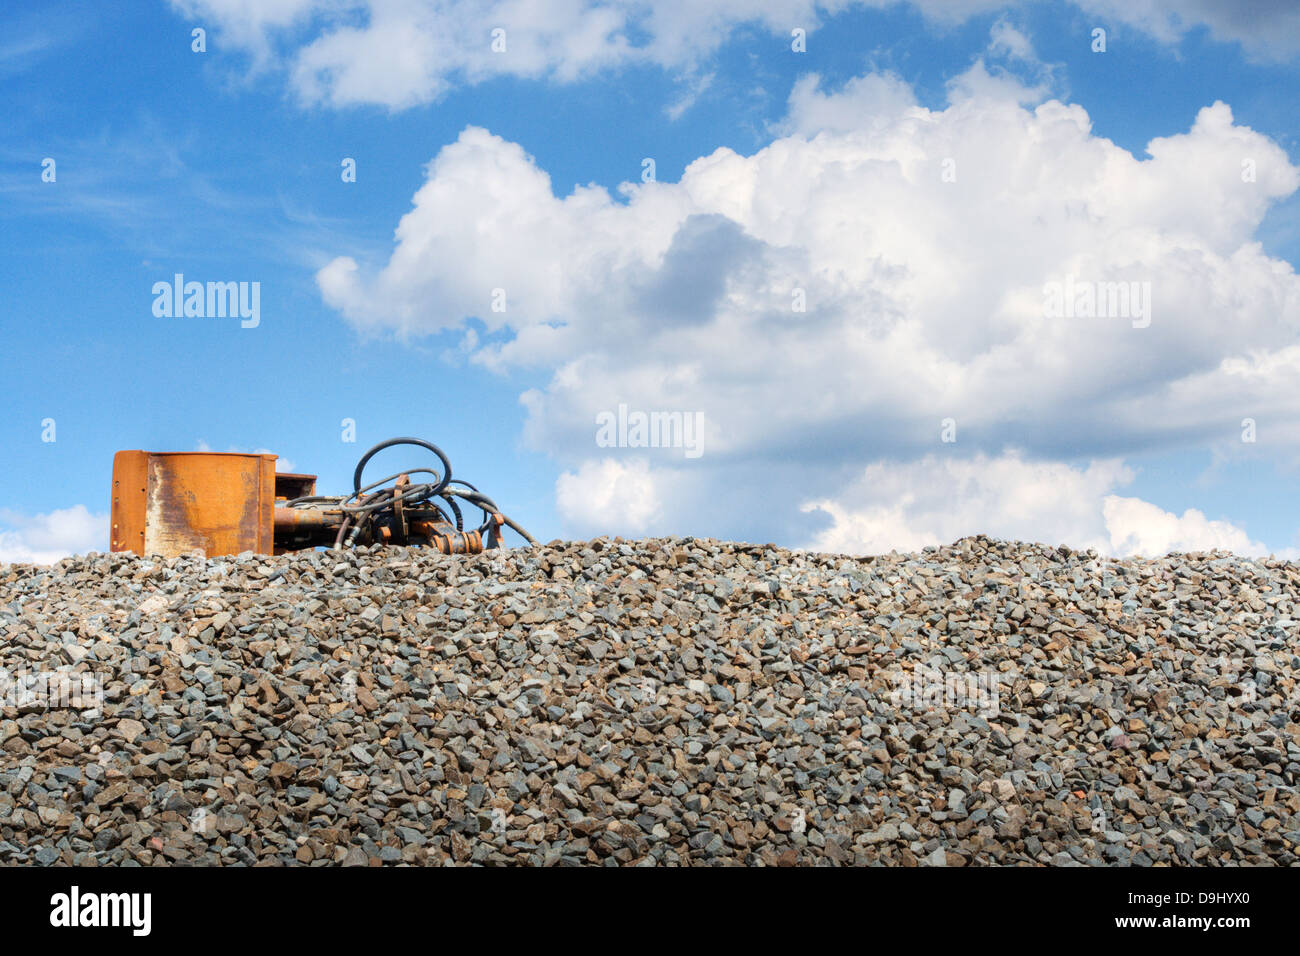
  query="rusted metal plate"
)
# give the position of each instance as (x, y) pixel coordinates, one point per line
(126, 515)
(219, 503)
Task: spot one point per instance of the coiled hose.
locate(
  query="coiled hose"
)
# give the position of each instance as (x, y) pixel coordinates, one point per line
(366, 504)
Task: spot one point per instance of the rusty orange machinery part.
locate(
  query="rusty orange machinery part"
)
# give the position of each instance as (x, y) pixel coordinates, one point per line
(171, 503)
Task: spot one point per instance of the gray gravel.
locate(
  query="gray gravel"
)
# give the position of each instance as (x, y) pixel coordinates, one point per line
(669, 701)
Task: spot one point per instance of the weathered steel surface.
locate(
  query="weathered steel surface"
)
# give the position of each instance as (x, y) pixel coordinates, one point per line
(291, 520)
(126, 516)
(174, 502)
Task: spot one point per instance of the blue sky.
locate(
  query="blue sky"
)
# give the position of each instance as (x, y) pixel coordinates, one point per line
(225, 165)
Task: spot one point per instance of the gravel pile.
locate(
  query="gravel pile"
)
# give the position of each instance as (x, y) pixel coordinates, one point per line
(668, 701)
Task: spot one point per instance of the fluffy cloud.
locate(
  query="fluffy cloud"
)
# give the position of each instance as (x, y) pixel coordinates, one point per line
(399, 53)
(1139, 527)
(931, 501)
(1266, 29)
(921, 245)
(607, 493)
(934, 500)
(877, 99)
(924, 297)
(45, 538)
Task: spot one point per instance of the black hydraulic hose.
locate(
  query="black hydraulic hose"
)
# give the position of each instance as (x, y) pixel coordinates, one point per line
(455, 510)
(420, 442)
(368, 507)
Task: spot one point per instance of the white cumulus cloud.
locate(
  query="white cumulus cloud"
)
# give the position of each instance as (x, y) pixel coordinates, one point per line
(401, 53)
(878, 269)
(1139, 527)
(933, 501)
(45, 538)
(608, 496)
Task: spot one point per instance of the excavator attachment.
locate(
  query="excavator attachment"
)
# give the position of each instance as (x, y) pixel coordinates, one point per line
(170, 503)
